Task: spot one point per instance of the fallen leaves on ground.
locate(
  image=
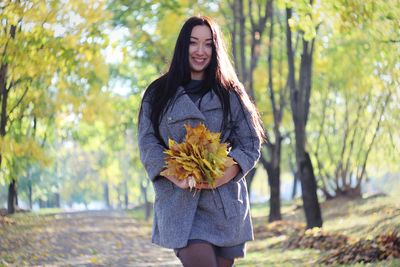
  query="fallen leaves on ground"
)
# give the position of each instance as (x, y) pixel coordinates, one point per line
(337, 248)
(382, 247)
(277, 228)
(5, 220)
(317, 239)
(91, 238)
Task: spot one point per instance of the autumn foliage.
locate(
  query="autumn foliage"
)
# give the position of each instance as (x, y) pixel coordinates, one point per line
(344, 250)
(200, 155)
(382, 247)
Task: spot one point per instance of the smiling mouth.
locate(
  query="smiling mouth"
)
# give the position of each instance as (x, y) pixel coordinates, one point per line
(199, 60)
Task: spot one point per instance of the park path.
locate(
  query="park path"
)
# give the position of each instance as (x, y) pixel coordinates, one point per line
(90, 238)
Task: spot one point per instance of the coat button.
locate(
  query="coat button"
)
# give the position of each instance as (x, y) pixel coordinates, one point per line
(169, 118)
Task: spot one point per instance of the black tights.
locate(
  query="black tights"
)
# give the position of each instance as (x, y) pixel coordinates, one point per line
(202, 255)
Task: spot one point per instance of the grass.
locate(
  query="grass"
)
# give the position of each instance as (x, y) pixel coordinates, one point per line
(138, 214)
(49, 211)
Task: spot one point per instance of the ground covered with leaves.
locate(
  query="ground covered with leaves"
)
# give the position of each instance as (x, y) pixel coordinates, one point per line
(363, 232)
(96, 238)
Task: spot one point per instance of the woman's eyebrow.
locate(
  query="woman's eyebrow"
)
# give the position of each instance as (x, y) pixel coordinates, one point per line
(209, 39)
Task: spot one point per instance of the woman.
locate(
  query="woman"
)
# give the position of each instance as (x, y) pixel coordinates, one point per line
(209, 228)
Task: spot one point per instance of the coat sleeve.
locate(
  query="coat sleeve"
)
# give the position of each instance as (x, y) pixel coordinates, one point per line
(150, 147)
(245, 144)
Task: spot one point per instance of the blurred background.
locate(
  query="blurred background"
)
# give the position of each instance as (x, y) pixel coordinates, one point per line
(73, 72)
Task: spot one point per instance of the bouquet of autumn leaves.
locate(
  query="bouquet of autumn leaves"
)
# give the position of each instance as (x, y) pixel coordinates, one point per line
(200, 157)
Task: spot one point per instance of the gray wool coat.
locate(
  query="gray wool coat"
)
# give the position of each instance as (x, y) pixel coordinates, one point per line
(174, 208)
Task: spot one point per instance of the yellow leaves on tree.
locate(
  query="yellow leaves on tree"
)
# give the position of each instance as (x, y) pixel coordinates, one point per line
(201, 156)
(27, 147)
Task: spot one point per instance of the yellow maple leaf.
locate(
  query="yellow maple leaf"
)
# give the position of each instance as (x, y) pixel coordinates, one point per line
(200, 155)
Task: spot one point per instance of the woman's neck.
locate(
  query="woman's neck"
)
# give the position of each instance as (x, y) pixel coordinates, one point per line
(197, 75)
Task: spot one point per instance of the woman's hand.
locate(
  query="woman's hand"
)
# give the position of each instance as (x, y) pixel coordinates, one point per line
(229, 174)
(183, 184)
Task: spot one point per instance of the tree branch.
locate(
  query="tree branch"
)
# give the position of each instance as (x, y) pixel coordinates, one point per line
(270, 80)
(290, 55)
(19, 101)
(363, 138)
(391, 41)
(283, 91)
(323, 173)
(352, 142)
(250, 13)
(363, 170)
(322, 124)
(242, 32)
(339, 166)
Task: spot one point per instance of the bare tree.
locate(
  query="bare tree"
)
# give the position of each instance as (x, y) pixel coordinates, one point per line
(345, 180)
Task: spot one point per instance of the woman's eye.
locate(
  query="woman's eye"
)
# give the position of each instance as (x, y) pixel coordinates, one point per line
(209, 45)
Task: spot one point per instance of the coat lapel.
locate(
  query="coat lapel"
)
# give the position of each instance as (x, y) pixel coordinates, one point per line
(210, 101)
(183, 108)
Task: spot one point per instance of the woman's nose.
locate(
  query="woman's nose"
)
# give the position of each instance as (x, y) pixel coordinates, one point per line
(200, 49)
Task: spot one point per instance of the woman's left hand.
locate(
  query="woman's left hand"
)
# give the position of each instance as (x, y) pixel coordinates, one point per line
(229, 174)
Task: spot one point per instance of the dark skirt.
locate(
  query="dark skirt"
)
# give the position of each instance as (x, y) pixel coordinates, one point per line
(202, 223)
(231, 253)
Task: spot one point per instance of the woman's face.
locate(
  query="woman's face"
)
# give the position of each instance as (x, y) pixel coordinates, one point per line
(200, 51)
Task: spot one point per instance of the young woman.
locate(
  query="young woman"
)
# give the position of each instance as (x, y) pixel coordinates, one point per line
(209, 228)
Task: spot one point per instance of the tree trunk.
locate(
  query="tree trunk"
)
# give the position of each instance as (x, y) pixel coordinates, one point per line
(300, 103)
(126, 195)
(275, 199)
(242, 46)
(30, 194)
(273, 171)
(295, 178)
(57, 200)
(42, 203)
(234, 8)
(12, 197)
(256, 30)
(118, 190)
(3, 122)
(294, 188)
(106, 196)
(309, 193)
(274, 149)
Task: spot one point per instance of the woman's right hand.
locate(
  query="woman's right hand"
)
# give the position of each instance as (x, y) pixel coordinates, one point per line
(183, 184)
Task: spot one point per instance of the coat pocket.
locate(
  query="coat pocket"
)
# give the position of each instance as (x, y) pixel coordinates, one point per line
(229, 201)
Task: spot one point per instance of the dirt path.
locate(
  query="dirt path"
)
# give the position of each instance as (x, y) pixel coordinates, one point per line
(99, 238)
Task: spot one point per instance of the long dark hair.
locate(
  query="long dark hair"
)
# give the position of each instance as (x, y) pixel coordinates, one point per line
(220, 76)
